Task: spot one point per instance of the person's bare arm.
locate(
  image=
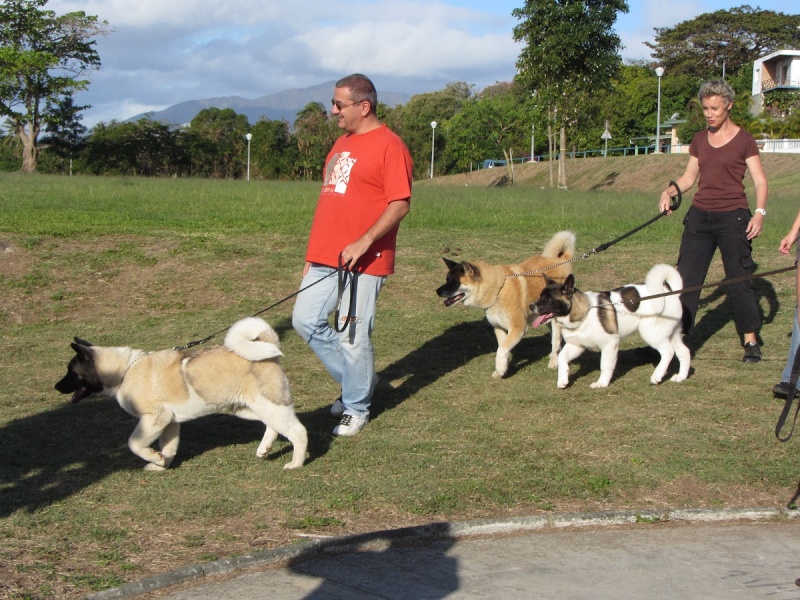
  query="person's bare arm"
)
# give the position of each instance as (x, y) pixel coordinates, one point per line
(685, 182)
(760, 183)
(389, 219)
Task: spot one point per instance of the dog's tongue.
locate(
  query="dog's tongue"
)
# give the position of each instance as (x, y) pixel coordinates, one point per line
(79, 395)
(543, 319)
(452, 300)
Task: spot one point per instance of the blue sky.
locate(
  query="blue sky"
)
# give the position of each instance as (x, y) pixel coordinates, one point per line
(162, 52)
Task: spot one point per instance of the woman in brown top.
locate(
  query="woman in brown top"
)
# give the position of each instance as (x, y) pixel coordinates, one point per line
(720, 216)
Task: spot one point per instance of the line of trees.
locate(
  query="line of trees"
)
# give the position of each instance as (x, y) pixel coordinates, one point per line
(564, 106)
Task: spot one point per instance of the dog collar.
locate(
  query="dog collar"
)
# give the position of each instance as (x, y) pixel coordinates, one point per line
(133, 362)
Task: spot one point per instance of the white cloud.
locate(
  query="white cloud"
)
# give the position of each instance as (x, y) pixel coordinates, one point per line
(162, 52)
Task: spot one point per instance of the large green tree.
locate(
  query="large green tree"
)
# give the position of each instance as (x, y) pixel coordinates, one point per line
(314, 133)
(146, 147)
(273, 152)
(412, 122)
(43, 58)
(219, 146)
(730, 39)
(496, 123)
(64, 135)
(570, 51)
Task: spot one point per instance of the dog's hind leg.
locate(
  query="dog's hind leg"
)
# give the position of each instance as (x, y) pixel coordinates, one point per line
(270, 435)
(146, 432)
(294, 431)
(684, 357)
(280, 420)
(667, 353)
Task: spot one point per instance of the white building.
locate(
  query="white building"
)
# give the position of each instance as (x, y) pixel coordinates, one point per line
(777, 71)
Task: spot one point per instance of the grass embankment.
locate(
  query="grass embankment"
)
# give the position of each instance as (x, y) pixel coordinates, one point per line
(157, 263)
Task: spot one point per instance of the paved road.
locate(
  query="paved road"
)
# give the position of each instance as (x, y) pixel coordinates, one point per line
(707, 555)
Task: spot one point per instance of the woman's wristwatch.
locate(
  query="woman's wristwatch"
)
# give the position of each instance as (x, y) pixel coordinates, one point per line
(762, 211)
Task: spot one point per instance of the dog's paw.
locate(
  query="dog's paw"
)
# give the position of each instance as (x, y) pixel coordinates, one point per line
(677, 378)
(599, 384)
(262, 452)
(152, 467)
(562, 384)
(291, 465)
(553, 362)
(497, 375)
(655, 380)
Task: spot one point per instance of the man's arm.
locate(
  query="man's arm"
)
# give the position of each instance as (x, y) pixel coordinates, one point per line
(389, 219)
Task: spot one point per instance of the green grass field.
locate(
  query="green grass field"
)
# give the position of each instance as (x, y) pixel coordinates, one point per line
(157, 263)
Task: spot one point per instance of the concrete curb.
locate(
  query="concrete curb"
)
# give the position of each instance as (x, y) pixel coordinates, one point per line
(455, 530)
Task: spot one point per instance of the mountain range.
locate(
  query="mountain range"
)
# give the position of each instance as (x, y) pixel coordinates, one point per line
(277, 106)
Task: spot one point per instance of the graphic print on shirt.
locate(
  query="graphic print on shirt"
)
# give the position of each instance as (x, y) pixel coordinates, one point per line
(337, 173)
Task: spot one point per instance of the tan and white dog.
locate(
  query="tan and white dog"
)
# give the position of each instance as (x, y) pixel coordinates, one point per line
(599, 320)
(505, 293)
(163, 389)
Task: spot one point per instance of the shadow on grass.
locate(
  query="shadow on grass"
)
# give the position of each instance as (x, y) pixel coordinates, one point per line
(712, 321)
(49, 456)
(52, 455)
(447, 352)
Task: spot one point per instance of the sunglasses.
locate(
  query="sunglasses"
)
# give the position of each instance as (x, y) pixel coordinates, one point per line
(340, 106)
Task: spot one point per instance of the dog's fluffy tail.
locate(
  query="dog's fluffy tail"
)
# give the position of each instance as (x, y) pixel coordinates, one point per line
(253, 339)
(663, 278)
(561, 245)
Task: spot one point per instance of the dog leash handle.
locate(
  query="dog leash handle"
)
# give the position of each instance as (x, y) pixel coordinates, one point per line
(676, 204)
(342, 274)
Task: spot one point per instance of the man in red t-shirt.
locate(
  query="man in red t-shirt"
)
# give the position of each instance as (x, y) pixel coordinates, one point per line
(366, 192)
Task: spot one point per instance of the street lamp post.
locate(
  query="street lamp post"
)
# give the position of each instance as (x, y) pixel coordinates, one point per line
(433, 138)
(659, 73)
(533, 140)
(248, 137)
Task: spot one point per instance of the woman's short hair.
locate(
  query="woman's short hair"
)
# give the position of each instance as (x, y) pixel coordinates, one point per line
(717, 87)
(361, 89)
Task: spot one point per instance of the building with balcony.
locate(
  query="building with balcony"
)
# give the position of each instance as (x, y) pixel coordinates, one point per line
(773, 72)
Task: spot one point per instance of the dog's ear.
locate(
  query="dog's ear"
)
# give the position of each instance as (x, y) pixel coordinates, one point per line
(470, 269)
(450, 264)
(569, 285)
(82, 349)
(81, 342)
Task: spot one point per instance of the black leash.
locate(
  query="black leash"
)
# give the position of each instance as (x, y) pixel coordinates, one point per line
(338, 272)
(722, 283)
(342, 277)
(673, 207)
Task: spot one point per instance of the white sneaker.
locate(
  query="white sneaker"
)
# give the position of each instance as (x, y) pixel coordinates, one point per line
(350, 425)
(337, 408)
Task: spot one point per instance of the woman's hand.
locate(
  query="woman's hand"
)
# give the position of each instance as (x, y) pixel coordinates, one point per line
(754, 226)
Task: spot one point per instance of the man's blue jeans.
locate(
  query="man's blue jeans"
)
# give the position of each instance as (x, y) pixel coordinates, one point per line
(793, 346)
(348, 356)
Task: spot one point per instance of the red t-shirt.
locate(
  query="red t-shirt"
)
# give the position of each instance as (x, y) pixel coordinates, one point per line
(722, 170)
(363, 174)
